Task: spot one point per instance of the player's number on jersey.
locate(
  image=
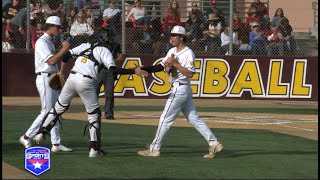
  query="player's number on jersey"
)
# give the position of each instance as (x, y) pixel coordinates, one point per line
(84, 60)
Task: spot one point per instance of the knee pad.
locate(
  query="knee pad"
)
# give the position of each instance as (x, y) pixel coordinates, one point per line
(53, 116)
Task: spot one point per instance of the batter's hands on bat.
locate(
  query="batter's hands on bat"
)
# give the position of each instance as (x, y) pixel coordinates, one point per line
(138, 71)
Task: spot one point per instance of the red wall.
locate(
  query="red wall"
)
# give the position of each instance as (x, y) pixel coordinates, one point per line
(18, 77)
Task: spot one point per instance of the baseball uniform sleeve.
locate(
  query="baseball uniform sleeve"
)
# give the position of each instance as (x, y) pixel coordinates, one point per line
(77, 50)
(190, 61)
(104, 55)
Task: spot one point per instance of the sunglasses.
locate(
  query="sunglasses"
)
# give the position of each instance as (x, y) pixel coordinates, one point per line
(80, 16)
(38, 2)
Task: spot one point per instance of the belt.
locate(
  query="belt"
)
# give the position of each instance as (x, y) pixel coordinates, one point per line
(179, 84)
(39, 73)
(87, 76)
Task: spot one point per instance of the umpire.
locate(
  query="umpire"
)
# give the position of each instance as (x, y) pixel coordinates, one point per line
(107, 77)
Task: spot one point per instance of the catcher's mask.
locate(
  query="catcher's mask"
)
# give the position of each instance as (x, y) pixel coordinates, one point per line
(107, 36)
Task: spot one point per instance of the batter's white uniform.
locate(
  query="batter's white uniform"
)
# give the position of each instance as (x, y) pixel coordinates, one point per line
(180, 99)
(44, 49)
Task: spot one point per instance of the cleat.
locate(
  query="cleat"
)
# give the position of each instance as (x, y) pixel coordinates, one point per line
(60, 148)
(213, 150)
(95, 153)
(25, 142)
(148, 152)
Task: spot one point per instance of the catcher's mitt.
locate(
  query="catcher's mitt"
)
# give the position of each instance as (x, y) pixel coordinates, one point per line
(56, 81)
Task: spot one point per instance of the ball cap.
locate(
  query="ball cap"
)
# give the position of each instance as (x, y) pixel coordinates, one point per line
(54, 20)
(178, 30)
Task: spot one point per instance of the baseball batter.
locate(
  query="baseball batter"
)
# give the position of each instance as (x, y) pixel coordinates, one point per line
(180, 64)
(83, 81)
(46, 64)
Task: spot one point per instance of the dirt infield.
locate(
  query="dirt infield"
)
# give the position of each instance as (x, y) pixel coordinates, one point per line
(298, 125)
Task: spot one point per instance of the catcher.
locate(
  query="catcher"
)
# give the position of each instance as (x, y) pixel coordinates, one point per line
(83, 81)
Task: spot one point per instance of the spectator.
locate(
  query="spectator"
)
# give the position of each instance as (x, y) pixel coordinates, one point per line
(71, 16)
(89, 17)
(80, 26)
(196, 8)
(174, 5)
(10, 10)
(289, 43)
(262, 13)
(84, 4)
(194, 27)
(213, 34)
(275, 43)
(225, 41)
(172, 19)
(139, 13)
(80, 30)
(278, 16)
(18, 25)
(256, 38)
(36, 31)
(111, 15)
(219, 13)
(38, 10)
(252, 17)
(239, 27)
(146, 40)
(53, 8)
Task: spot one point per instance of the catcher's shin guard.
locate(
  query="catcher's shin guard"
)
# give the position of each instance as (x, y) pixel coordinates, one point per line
(52, 117)
(94, 127)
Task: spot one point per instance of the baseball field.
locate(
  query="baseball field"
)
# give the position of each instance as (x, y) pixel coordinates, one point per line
(262, 140)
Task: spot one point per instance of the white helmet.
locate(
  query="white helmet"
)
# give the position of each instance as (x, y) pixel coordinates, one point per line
(178, 30)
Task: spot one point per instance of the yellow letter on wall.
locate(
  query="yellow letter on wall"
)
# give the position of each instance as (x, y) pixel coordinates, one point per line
(249, 79)
(216, 80)
(299, 88)
(275, 88)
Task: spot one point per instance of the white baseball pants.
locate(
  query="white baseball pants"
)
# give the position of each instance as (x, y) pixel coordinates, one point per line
(48, 97)
(180, 99)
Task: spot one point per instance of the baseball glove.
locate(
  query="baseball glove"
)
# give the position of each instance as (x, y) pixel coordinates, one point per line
(56, 81)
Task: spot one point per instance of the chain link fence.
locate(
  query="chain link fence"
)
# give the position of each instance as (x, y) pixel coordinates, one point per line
(143, 27)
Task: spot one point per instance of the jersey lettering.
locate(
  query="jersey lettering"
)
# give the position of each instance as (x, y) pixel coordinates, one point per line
(84, 60)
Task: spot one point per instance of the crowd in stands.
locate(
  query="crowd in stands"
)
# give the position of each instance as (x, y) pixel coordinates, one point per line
(257, 34)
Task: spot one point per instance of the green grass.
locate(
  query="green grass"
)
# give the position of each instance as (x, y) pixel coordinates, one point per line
(80, 108)
(247, 154)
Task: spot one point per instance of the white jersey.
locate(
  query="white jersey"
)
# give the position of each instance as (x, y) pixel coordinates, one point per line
(85, 66)
(110, 12)
(186, 59)
(137, 13)
(44, 49)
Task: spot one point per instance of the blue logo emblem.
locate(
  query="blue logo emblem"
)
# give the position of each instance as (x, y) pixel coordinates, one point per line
(37, 160)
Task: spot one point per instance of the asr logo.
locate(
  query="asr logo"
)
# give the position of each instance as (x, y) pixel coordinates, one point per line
(37, 160)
